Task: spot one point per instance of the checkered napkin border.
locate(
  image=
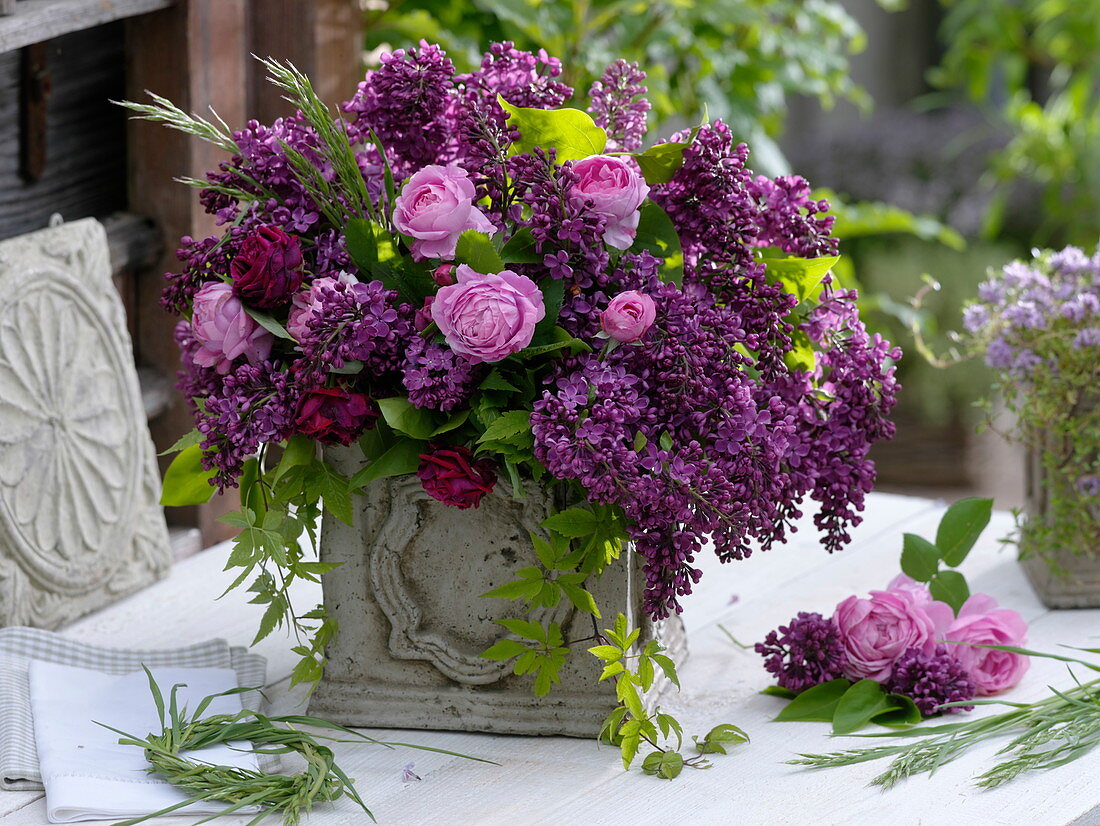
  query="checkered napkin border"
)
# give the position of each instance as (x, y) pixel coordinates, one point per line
(19, 645)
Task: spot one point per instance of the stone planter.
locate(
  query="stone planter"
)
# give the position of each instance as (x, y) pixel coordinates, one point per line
(1067, 577)
(412, 624)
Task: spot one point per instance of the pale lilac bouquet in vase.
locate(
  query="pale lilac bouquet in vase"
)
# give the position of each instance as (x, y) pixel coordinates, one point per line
(471, 291)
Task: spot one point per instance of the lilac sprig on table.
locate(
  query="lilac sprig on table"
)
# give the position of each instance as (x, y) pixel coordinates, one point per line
(481, 288)
(921, 647)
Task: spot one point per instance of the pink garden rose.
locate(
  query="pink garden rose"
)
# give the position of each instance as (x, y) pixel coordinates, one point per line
(616, 191)
(305, 302)
(487, 317)
(876, 631)
(980, 621)
(628, 316)
(436, 205)
(224, 331)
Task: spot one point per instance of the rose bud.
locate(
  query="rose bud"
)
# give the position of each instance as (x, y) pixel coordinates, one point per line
(615, 190)
(334, 415)
(487, 317)
(628, 316)
(444, 275)
(267, 270)
(224, 331)
(454, 477)
(435, 207)
(422, 318)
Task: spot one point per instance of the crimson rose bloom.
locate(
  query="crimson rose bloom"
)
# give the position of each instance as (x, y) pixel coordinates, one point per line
(268, 269)
(454, 477)
(334, 416)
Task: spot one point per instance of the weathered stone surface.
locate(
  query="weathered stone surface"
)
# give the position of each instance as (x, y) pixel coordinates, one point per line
(79, 520)
(412, 623)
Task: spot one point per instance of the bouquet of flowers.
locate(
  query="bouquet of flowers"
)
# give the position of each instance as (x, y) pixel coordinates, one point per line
(480, 286)
(1038, 325)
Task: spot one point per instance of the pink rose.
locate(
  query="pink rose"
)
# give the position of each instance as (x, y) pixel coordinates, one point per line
(436, 205)
(615, 191)
(628, 316)
(876, 631)
(487, 317)
(224, 331)
(305, 302)
(980, 621)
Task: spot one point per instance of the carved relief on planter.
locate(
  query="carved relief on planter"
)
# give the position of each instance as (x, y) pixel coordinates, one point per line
(79, 520)
(429, 615)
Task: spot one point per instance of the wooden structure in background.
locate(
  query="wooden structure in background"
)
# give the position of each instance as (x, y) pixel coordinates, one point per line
(64, 148)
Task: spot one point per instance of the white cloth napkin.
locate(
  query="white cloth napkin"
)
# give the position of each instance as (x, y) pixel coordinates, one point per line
(87, 774)
(19, 646)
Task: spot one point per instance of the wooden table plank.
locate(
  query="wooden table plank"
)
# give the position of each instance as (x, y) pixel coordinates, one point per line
(561, 780)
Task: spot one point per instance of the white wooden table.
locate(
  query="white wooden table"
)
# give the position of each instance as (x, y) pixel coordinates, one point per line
(569, 781)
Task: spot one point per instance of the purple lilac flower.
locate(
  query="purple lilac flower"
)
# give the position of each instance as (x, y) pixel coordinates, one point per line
(355, 322)
(436, 377)
(253, 405)
(1089, 337)
(805, 652)
(931, 680)
(618, 105)
(521, 78)
(404, 101)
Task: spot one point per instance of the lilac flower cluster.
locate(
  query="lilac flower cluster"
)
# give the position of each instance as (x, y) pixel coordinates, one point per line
(618, 105)
(805, 652)
(354, 323)
(436, 377)
(931, 680)
(253, 405)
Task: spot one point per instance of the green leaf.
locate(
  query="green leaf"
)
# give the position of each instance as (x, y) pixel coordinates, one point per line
(517, 589)
(299, 450)
(960, 528)
(607, 653)
(799, 276)
(403, 457)
(876, 218)
(561, 340)
(859, 705)
(572, 522)
(510, 423)
(524, 628)
(920, 559)
(802, 355)
(779, 691)
(496, 381)
(580, 598)
(950, 587)
(504, 650)
(553, 293)
(657, 234)
(818, 703)
(268, 323)
(904, 713)
(454, 421)
(668, 666)
(664, 764)
(192, 437)
(521, 249)
(402, 416)
(640, 441)
(186, 481)
(571, 132)
(659, 163)
(476, 250)
(334, 491)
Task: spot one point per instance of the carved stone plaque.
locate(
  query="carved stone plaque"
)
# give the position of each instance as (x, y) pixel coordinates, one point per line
(413, 623)
(79, 520)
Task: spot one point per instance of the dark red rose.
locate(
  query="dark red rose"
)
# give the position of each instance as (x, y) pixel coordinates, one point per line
(267, 270)
(334, 416)
(454, 477)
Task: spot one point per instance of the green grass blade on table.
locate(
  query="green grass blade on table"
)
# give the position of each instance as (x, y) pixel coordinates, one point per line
(322, 780)
(1043, 735)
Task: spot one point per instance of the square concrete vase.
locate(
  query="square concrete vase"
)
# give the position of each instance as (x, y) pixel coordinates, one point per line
(1066, 577)
(413, 626)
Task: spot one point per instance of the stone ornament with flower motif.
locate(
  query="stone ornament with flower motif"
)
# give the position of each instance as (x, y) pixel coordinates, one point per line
(79, 520)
